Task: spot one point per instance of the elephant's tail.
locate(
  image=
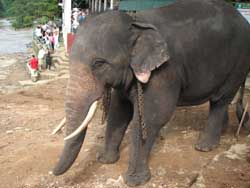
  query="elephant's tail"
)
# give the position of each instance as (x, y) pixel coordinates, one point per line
(240, 108)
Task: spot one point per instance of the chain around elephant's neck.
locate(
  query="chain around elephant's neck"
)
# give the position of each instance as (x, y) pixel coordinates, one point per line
(140, 99)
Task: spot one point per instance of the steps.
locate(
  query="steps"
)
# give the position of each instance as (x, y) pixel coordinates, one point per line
(59, 68)
(60, 60)
(41, 82)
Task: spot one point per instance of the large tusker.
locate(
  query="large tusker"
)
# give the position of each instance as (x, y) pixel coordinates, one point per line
(82, 91)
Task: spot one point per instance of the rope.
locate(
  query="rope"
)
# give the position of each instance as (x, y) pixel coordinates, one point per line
(141, 110)
(106, 104)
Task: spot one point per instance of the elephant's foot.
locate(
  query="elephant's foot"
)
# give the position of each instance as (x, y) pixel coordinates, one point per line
(135, 179)
(108, 157)
(207, 142)
(224, 129)
(225, 123)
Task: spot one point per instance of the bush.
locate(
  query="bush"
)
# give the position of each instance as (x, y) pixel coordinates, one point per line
(17, 23)
(42, 20)
(28, 21)
(25, 12)
(1, 9)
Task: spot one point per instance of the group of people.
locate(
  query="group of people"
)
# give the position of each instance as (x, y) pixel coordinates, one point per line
(48, 34)
(44, 61)
(78, 16)
(48, 40)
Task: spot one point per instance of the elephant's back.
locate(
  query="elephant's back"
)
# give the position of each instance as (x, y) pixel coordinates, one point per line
(197, 23)
(207, 39)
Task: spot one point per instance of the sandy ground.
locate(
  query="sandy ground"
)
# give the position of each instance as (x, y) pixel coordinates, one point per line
(12, 69)
(28, 153)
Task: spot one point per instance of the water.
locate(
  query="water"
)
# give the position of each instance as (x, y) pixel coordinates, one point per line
(12, 47)
(13, 41)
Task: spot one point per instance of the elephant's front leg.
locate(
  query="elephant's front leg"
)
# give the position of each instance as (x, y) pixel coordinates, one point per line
(158, 109)
(138, 171)
(119, 115)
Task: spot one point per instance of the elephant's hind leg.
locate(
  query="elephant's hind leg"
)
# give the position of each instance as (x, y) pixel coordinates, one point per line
(217, 122)
(225, 122)
(119, 115)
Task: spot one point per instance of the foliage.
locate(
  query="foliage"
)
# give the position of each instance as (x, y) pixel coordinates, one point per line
(80, 3)
(6, 5)
(1, 9)
(25, 12)
(43, 20)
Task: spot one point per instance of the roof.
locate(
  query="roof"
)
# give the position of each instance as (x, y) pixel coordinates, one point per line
(242, 5)
(138, 5)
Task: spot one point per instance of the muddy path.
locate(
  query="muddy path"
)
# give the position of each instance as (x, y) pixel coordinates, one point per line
(12, 70)
(28, 153)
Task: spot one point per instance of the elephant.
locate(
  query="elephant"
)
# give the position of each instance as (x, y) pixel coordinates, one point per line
(143, 66)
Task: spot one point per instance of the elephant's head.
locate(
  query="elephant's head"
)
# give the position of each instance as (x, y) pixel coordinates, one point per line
(110, 50)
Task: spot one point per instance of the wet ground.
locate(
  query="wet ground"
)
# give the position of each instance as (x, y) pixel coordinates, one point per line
(13, 41)
(13, 54)
(28, 153)
(10, 63)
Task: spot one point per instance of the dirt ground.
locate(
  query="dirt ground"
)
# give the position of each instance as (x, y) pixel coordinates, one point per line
(28, 153)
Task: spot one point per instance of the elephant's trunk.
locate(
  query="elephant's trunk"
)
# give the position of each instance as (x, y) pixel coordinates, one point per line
(82, 92)
(69, 154)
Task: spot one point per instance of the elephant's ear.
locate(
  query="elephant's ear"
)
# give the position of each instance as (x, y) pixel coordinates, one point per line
(149, 51)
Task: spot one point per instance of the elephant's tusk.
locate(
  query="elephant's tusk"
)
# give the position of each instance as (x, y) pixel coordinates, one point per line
(59, 127)
(86, 121)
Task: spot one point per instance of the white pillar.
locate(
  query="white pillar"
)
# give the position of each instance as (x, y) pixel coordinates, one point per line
(100, 5)
(66, 20)
(93, 6)
(96, 3)
(111, 4)
(105, 5)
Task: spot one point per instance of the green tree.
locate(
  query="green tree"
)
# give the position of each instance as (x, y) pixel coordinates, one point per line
(1, 9)
(80, 3)
(25, 12)
(6, 5)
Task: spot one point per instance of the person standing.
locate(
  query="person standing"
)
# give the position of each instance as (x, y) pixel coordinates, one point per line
(38, 32)
(40, 56)
(52, 41)
(33, 63)
(81, 17)
(75, 23)
(33, 68)
(48, 60)
(46, 39)
(56, 36)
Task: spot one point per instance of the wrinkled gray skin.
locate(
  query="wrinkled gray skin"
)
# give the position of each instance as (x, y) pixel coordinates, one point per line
(186, 53)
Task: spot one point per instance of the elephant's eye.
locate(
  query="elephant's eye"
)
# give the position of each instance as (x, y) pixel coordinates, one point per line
(98, 62)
